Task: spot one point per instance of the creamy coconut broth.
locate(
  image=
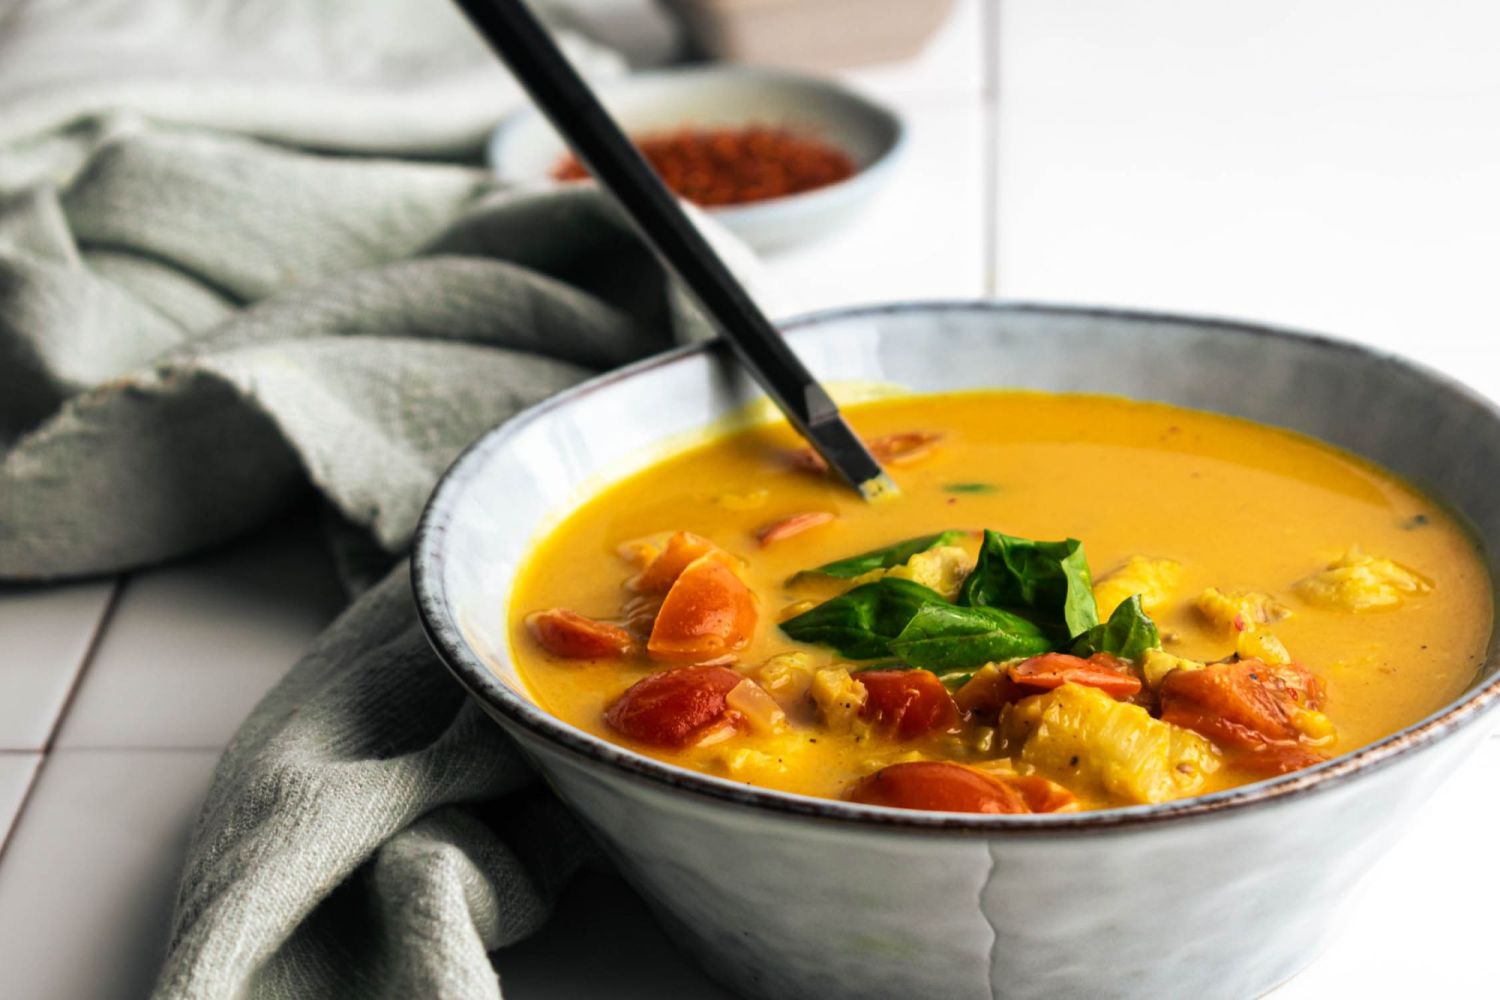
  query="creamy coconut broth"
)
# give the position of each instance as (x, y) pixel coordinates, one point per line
(1076, 602)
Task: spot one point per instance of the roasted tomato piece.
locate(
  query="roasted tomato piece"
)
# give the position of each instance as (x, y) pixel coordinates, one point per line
(566, 633)
(1041, 795)
(1278, 758)
(889, 449)
(709, 613)
(1244, 705)
(673, 708)
(1109, 674)
(910, 702)
(660, 573)
(942, 787)
(790, 527)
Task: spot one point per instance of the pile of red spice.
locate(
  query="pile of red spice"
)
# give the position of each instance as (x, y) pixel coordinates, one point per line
(730, 166)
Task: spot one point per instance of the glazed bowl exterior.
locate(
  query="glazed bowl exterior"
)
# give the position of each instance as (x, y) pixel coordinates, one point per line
(524, 148)
(782, 896)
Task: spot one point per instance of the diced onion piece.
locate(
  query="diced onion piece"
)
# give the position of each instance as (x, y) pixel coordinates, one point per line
(1357, 581)
(1158, 663)
(759, 710)
(989, 690)
(1153, 579)
(1260, 644)
(786, 676)
(839, 697)
(1239, 611)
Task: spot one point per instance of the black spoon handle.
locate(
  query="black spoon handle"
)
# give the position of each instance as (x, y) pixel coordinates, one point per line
(574, 111)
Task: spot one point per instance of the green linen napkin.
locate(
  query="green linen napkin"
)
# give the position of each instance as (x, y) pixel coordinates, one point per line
(198, 329)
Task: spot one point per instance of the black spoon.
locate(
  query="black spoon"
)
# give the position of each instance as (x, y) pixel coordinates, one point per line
(574, 111)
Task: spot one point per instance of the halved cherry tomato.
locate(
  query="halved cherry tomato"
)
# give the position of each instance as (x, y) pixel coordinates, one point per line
(566, 633)
(673, 708)
(1244, 704)
(1103, 671)
(888, 449)
(709, 613)
(939, 786)
(910, 702)
(1041, 795)
(660, 573)
(789, 527)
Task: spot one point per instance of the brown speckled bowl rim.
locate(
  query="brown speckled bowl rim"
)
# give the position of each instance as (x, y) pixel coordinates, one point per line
(483, 684)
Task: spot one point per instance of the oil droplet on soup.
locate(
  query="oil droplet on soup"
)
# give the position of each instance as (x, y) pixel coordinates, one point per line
(1239, 602)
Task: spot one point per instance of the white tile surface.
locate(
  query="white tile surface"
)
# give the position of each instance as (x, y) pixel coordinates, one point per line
(1328, 165)
(16, 770)
(87, 879)
(191, 647)
(44, 634)
(922, 238)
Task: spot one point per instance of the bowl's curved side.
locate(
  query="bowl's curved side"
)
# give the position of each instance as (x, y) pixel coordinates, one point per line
(1225, 895)
(781, 907)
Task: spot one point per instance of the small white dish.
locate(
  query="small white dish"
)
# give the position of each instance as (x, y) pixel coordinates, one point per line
(524, 149)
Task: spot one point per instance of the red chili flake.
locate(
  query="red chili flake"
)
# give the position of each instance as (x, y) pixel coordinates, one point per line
(730, 166)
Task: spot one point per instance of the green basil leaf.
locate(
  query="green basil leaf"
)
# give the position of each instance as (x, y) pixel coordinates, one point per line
(887, 557)
(946, 637)
(970, 488)
(1048, 581)
(1128, 633)
(861, 623)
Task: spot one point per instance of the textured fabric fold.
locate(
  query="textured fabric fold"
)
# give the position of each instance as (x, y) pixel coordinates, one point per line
(365, 320)
(368, 834)
(199, 328)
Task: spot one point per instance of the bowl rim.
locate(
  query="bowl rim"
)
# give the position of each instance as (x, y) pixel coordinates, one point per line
(437, 620)
(870, 174)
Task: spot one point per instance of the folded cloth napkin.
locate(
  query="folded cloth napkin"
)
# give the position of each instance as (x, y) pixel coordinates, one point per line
(196, 330)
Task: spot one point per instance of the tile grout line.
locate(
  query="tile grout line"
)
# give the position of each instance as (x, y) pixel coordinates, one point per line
(106, 617)
(990, 137)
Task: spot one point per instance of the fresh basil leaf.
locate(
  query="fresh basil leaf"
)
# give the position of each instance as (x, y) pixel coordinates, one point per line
(861, 623)
(945, 637)
(1048, 581)
(970, 488)
(887, 557)
(1128, 633)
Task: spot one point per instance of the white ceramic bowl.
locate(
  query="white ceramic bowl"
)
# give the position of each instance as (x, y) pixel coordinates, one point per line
(524, 149)
(782, 896)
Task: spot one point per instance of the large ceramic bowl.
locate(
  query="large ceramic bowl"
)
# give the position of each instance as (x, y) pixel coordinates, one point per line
(524, 148)
(781, 896)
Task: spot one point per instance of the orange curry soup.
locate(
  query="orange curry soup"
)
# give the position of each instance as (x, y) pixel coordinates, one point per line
(1075, 602)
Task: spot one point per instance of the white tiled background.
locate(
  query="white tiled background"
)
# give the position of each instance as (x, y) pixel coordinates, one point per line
(1333, 165)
